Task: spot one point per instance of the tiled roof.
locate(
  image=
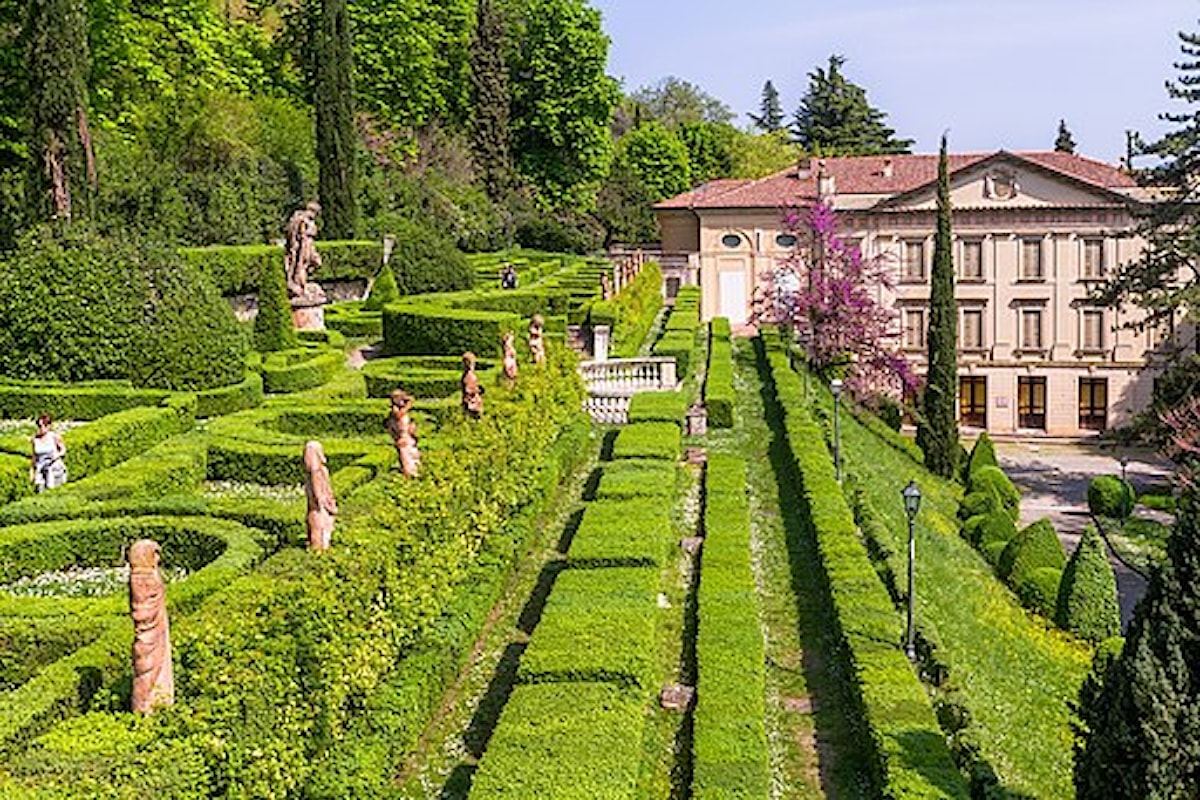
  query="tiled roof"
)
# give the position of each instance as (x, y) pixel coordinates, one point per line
(868, 175)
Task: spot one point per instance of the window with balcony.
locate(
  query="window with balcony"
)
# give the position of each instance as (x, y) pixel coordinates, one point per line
(970, 267)
(1032, 268)
(912, 261)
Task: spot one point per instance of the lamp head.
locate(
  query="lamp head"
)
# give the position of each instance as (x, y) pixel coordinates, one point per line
(912, 499)
(835, 386)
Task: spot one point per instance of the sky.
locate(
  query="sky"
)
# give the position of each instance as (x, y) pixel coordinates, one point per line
(991, 73)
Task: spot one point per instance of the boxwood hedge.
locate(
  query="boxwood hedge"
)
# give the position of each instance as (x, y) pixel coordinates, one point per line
(719, 397)
(621, 533)
(648, 440)
(1087, 598)
(411, 329)
(636, 478)
(658, 407)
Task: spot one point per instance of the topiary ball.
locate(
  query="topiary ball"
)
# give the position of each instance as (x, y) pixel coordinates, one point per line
(993, 479)
(1087, 600)
(1109, 496)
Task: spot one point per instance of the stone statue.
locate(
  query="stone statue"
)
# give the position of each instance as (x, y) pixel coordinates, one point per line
(301, 254)
(606, 291)
(537, 345)
(404, 433)
(472, 392)
(510, 355)
(322, 507)
(153, 673)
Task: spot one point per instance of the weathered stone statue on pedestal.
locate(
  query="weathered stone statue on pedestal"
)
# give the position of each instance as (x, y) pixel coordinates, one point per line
(153, 673)
(537, 344)
(472, 392)
(509, 342)
(307, 299)
(322, 507)
(606, 289)
(404, 433)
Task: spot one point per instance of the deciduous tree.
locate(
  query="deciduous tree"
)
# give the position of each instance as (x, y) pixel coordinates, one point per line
(674, 101)
(835, 118)
(938, 432)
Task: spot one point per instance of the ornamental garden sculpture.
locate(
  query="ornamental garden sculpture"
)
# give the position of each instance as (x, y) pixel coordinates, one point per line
(307, 299)
(404, 433)
(322, 507)
(509, 342)
(537, 344)
(153, 673)
(472, 392)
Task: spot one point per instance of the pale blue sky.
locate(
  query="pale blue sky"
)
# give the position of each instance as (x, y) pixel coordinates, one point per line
(996, 73)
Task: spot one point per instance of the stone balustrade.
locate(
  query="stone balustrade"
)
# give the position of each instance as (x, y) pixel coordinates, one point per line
(612, 384)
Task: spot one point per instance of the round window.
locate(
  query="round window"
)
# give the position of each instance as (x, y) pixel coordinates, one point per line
(785, 240)
(731, 240)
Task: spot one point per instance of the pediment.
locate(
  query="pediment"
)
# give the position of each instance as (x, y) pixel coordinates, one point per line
(1006, 181)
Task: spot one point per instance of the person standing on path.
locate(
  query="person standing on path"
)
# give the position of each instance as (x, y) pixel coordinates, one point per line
(49, 470)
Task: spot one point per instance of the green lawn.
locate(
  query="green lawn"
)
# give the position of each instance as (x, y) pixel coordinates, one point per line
(1015, 673)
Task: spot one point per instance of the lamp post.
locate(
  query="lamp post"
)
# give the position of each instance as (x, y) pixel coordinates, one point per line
(835, 386)
(1123, 458)
(912, 504)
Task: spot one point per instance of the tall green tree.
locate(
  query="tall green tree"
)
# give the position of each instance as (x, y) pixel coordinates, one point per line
(651, 164)
(938, 432)
(1164, 282)
(709, 148)
(770, 111)
(835, 118)
(1064, 142)
(61, 163)
(333, 96)
(490, 102)
(1139, 730)
(674, 101)
(562, 102)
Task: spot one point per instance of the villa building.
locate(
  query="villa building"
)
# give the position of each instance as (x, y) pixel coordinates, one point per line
(1033, 232)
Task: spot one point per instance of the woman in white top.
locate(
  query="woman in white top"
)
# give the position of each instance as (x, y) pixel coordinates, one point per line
(49, 468)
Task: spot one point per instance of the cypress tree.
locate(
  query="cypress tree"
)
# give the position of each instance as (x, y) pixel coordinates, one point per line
(490, 98)
(938, 432)
(273, 329)
(1065, 142)
(770, 116)
(333, 97)
(1139, 729)
(61, 166)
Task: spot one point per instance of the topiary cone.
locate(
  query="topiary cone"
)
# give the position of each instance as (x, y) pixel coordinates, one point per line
(384, 291)
(273, 328)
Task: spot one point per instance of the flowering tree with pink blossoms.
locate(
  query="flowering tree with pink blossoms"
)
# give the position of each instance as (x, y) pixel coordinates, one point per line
(828, 293)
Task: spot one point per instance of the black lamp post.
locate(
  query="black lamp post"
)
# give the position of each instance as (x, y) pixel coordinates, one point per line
(912, 504)
(835, 386)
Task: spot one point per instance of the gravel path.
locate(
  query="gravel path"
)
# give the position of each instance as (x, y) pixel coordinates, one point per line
(1054, 478)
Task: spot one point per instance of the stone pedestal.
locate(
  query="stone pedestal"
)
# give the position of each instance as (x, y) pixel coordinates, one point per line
(308, 310)
(600, 337)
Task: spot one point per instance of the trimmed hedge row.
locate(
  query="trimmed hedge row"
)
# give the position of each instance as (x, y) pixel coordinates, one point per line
(658, 407)
(410, 329)
(648, 440)
(77, 401)
(353, 319)
(563, 740)
(622, 533)
(421, 376)
(719, 396)
(731, 756)
(303, 368)
(231, 399)
(598, 626)
(636, 307)
(627, 478)
(911, 756)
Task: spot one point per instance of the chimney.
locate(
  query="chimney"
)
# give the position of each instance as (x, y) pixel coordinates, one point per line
(887, 168)
(826, 186)
(804, 167)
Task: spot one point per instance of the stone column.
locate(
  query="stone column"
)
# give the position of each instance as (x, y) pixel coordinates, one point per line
(600, 336)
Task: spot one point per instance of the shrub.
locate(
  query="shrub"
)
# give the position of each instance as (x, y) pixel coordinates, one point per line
(621, 533)
(300, 368)
(92, 400)
(558, 739)
(1035, 547)
(719, 395)
(996, 526)
(77, 308)
(273, 326)
(680, 345)
(1109, 496)
(993, 479)
(658, 407)
(976, 503)
(426, 261)
(1039, 590)
(384, 291)
(234, 269)
(636, 478)
(637, 306)
(983, 454)
(1087, 599)
(412, 329)
(229, 399)
(648, 440)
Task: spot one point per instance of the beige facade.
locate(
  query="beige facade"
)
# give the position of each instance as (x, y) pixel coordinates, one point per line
(1032, 234)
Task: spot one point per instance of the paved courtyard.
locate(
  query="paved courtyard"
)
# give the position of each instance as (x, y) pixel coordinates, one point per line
(1053, 478)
